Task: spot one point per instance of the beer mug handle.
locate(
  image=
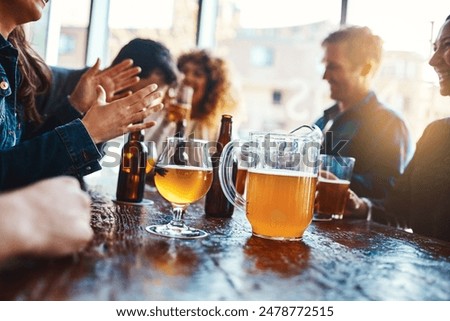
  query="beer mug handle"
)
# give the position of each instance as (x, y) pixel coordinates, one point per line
(226, 175)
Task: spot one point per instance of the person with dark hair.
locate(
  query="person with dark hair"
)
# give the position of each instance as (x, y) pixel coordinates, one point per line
(358, 124)
(69, 148)
(154, 59)
(420, 198)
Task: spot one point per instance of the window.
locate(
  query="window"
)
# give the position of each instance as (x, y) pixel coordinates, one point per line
(405, 80)
(277, 46)
(277, 97)
(172, 22)
(67, 44)
(273, 46)
(261, 57)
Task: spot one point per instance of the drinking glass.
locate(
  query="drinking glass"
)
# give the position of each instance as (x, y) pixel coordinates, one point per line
(335, 174)
(180, 103)
(152, 156)
(183, 175)
(150, 167)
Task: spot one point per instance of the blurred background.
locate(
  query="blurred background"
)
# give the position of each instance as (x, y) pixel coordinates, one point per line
(273, 47)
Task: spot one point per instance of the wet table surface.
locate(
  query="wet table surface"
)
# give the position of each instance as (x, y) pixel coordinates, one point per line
(339, 260)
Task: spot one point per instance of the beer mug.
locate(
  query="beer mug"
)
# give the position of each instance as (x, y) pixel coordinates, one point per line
(335, 174)
(282, 173)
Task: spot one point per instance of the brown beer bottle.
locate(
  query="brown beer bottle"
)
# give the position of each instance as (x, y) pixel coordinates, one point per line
(131, 181)
(180, 128)
(216, 204)
(178, 157)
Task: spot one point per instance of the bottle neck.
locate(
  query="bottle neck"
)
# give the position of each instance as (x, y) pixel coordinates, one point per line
(136, 136)
(225, 133)
(180, 128)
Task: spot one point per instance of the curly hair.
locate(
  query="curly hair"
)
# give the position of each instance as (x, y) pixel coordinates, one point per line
(218, 97)
(35, 74)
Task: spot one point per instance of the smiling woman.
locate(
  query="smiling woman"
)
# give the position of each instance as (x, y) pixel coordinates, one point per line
(440, 60)
(69, 145)
(419, 200)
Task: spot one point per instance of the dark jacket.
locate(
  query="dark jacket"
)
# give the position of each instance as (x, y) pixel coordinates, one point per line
(376, 137)
(421, 198)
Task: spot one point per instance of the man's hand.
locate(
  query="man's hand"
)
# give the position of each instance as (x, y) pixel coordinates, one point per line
(49, 218)
(355, 207)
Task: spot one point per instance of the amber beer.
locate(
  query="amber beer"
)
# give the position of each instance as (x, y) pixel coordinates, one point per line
(177, 112)
(280, 203)
(182, 184)
(150, 165)
(241, 178)
(180, 106)
(332, 196)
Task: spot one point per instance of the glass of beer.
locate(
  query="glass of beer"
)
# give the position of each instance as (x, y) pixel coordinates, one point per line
(332, 190)
(241, 179)
(151, 157)
(254, 139)
(183, 175)
(282, 172)
(180, 103)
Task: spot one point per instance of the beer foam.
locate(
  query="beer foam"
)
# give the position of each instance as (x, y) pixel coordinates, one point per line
(192, 168)
(280, 172)
(334, 181)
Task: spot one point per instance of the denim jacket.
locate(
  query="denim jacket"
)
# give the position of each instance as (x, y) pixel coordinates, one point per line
(65, 150)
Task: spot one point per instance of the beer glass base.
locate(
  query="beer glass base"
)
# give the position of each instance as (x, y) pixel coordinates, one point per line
(337, 216)
(168, 230)
(144, 202)
(277, 238)
(318, 217)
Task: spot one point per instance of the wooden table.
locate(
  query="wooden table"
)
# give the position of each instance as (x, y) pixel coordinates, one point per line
(339, 260)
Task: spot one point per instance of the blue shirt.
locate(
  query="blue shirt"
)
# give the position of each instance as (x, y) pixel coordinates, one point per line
(64, 150)
(376, 137)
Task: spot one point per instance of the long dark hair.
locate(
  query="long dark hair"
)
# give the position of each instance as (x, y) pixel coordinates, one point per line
(35, 74)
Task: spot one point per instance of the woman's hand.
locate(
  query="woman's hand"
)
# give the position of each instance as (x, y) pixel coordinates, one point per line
(105, 121)
(114, 80)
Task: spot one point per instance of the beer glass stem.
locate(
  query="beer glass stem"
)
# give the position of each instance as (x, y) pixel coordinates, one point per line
(177, 219)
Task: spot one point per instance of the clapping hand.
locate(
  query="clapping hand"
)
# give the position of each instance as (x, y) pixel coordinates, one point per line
(114, 80)
(105, 120)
